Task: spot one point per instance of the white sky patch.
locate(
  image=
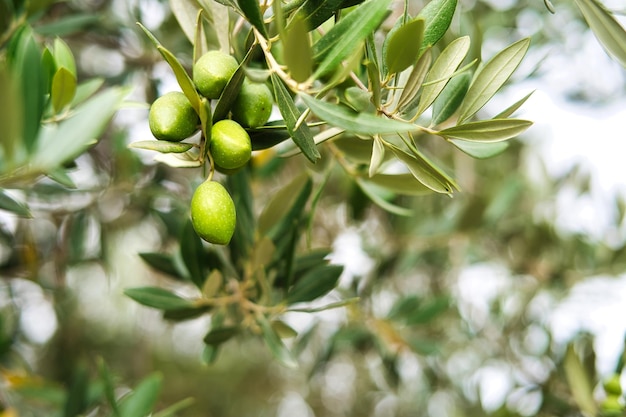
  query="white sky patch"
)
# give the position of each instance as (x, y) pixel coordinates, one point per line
(596, 306)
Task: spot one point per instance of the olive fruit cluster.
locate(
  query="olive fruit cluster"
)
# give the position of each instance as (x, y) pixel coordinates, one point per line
(612, 404)
(173, 118)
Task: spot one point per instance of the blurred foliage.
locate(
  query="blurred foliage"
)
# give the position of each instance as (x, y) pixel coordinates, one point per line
(401, 339)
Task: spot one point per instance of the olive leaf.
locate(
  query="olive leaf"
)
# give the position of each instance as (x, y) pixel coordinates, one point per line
(297, 49)
(513, 107)
(347, 35)
(300, 133)
(415, 80)
(487, 130)
(451, 98)
(183, 79)
(491, 77)
(161, 146)
(443, 68)
(252, 11)
(607, 29)
(363, 123)
(424, 170)
(438, 16)
(10, 204)
(403, 46)
(143, 398)
(315, 283)
(275, 345)
(379, 195)
(159, 298)
(316, 12)
(480, 150)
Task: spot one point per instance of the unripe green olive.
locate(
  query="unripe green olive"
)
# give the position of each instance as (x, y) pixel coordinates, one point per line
(613, 386)
(212, 71)
(253, 105)
(611, 406)
(213, 213)
(230, 145)
(172, 117)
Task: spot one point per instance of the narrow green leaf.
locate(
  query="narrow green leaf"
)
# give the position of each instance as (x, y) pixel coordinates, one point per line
(159, 298)
(175, 408)
(61, 176)
(438, 16)
(316, 12)
(480, 150)
(275, 345)
(63, 56)
(182, 160)
(67, 24)
(443, 68)
(161, 262)
(183, 79)
(192, 253)
(347, 35)
(513, 107)
(362, 123)
(415, 80)
(579, 382)
(109, 387)
(252, 11)
(10, 204)
(86, 89)
(491, 77)
(278, 214)
(379, 196)
(315, 283)
(26, 67)
(403, 46)
(186, 13)
(301, 134)
(450, 98)
(378, 155)
(70, 138)
(405, 184)
(63, 89)
(373, 72)
(297, 50)
(231, 91)
(493, 130)
(141, 401)
(217, 336)
(607, 29)
(161, 146)
(425, 171)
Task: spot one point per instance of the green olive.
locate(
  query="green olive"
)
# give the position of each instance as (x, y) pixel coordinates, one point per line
(253, 105)
(172, 118)
(213, 213)
(230, 145)
(613, 386)
(612, 406)
(212, 71)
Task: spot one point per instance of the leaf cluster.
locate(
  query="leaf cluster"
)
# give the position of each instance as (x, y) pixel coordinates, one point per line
(261, 276)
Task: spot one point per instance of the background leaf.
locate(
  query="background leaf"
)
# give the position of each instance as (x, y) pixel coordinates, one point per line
(141, 401)
(159, 298)
(607, 29)
(275, 345)
(315, 283)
